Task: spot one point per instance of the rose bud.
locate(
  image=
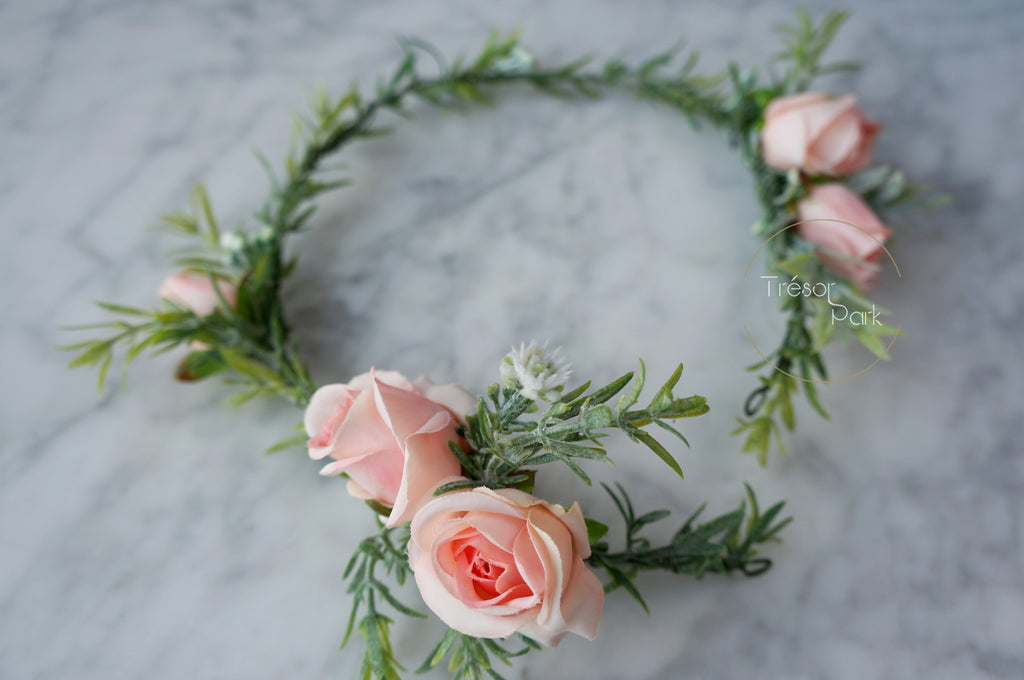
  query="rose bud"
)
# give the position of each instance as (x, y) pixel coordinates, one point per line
(828, 202)
(196, 292)
(389, 436)
(817, 134)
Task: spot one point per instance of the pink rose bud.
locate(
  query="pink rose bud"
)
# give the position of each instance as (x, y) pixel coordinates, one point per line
(817, 134)
(196, 292)
(389, 436)
(491, 563)
(835, 202)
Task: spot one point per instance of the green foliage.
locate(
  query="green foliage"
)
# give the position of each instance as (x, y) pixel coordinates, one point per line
(887, 190)
(297, 440)
(797, 362)
(247, 342)
(250, 344)
(722, 545)
(804, 46)
(254, 364)
(503, 443)
(470, 657)
(387, 549)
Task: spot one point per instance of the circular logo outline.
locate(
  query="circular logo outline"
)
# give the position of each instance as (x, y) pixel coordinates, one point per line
(878, 358)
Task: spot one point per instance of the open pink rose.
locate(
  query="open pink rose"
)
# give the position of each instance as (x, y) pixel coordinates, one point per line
(491, 563)
(817, 134)
(389, 436)
(196, 292)
(828, 202)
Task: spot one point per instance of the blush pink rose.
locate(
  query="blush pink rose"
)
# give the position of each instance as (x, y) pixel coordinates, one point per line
(828, 202)
(817, 134)
(196, 292)
(491, 563)
(389, 436)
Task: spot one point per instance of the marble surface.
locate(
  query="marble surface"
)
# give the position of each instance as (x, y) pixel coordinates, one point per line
(143, 534)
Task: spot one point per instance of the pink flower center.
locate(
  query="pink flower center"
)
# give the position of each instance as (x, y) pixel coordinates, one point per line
(485, 574)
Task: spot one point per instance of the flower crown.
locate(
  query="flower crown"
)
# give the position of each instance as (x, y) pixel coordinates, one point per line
(451, 474)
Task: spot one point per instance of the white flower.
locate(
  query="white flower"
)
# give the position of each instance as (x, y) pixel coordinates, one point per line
(264, 235)
(232, 241)
(537, 372)
(517, 62)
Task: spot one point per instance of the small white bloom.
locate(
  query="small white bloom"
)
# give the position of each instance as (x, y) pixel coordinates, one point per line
(536, 371)
(516, 62)
(232, 241)
(264, 235)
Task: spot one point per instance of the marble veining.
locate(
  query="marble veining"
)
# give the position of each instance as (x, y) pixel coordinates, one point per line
(144, 535)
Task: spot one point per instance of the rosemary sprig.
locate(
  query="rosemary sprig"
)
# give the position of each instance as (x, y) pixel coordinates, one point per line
(470, 657)
(388, 549)
(719, 546)
(503, 444)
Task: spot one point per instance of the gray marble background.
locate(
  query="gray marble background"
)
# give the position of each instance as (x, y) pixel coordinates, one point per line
(143, 534)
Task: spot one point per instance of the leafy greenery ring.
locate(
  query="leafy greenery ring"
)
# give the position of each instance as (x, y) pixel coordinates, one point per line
(226, 308)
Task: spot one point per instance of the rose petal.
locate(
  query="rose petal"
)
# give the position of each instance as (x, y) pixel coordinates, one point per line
(453, 396)
(784, 142)
(499, 528)
(196, 292)
(364, 381)
(833, 145)
(783, 105)
(553, 545)
(427, 460)
(580, 609)
(864, 241)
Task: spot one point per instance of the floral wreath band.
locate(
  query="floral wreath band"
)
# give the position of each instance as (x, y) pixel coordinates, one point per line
(451, 474)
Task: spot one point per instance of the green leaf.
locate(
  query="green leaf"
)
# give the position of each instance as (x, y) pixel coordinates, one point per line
(240, 398)
(246, 366)
(610, 390)
(181, 223)
(823, 328)
(811, 392)
(726, 524)
(122, 309)
(759, 430)
(198, 365)
(595, 530)
(574, 394)
(456, 486)
(663, 399)
(871, 341)
(201, 201)
(93, 355)
(784, 402)
(628, 400)
(624, 507)
(385, 592)
(621, 580)
(289, 443)
(659, 451)
(679, 435)
(686, 408)
(440, 651)
(102, 373)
